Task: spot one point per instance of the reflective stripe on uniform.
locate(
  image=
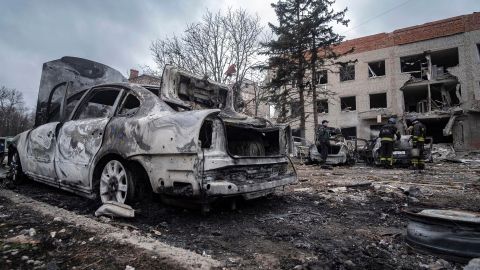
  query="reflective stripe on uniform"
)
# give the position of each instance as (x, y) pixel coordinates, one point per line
(418, 138)
(387, 139)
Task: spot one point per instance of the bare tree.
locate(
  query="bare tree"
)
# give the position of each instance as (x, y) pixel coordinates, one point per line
(14, 117)
(213, 44)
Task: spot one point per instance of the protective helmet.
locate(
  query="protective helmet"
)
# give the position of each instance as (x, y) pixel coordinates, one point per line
(413, 119)
(392, 121)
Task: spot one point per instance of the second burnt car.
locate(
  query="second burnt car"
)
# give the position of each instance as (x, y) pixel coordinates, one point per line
(340, 151)
(99, 136)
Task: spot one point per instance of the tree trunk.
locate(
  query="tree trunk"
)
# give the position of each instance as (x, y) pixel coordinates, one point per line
(313, 82)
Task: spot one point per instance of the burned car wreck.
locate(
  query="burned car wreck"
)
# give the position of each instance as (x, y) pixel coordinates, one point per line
(100, 137)
(341, 151)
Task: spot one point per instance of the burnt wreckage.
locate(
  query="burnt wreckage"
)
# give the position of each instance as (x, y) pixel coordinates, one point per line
(97, 135)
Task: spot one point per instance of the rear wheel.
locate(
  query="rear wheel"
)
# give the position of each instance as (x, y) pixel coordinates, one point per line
(116, 183)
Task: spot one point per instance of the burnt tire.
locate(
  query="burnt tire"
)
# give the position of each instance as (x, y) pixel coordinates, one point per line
(116, 182)
(17, 176)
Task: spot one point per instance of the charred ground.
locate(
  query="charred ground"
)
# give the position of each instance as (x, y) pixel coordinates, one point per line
(345, 218)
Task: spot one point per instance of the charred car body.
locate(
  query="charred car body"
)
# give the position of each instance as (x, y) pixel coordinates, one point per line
(97, 135)
(340, 150)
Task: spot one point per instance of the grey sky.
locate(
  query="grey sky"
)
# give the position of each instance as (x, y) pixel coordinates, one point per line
(119, 33)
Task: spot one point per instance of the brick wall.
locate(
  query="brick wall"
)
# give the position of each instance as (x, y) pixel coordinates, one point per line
(431, 30)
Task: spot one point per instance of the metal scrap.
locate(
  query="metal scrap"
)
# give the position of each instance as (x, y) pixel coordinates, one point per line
(449, 233)
(115, 209)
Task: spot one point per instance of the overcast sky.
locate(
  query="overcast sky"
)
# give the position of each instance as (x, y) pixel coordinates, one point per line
(118, 33)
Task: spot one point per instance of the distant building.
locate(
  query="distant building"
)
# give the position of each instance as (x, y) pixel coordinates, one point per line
(250, 92)
(144, 78)
(431, 71)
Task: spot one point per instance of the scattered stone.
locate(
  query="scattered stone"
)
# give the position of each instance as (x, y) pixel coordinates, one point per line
(156, 232)
(53, 234)
(439, 265)
(62, 231)
(30, 261)
(128, 267)
(413, 199)
(14, 252)
(24, 258)
(337, 189)
(349, 263)
(216, 233)
(21, 239)
(37, 263)
(32, 232)
(91, 239)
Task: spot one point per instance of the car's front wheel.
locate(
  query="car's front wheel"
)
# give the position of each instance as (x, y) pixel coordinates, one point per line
(116, 183)
(16, 173)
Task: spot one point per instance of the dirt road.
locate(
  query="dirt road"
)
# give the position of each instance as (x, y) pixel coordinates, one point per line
(345, 218)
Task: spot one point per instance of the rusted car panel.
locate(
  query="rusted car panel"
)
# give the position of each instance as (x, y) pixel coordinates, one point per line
(199, 153)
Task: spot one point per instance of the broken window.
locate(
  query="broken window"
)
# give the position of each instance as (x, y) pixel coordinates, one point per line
(478, 51)
(321, 77)
(322, 106)
(71, 103)
(435, 128)
(347, 72)
(295, 108)
(378, 100)
(416, 65)
(349, 132)
(348, 103)
(442, 97)
(441, 60)
(98, 105)
(416, 98)
(130, 106)
(376, 69)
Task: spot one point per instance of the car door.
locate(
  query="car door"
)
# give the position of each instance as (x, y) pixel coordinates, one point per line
(41, 141)
(41, 144)
(80, 138)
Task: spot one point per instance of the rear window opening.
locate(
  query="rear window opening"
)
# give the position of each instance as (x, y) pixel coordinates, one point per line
(249, 142)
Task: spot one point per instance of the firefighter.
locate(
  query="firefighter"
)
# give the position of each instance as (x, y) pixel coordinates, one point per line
(323, 140)
(418, 131)
(387, 134)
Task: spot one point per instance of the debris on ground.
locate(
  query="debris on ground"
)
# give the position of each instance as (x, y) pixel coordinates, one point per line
(115, 209)
(304, 226)
(451, 233)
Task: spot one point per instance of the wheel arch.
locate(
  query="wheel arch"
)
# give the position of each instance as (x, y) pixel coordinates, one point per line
(141, 175)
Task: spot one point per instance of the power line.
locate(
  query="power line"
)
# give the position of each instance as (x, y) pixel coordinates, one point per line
(376, 16)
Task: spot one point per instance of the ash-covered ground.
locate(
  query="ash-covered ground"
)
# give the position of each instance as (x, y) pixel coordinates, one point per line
(344, 218)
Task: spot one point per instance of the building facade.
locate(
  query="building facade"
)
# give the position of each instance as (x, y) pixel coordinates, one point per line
(431, 71)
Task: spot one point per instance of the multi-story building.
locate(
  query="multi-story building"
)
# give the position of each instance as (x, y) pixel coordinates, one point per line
(431, 71)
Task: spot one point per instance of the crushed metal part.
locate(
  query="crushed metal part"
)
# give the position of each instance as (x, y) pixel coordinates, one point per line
(449, 233)
(115, 209)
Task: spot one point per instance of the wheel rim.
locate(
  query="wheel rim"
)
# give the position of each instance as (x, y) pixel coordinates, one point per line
(114, 182)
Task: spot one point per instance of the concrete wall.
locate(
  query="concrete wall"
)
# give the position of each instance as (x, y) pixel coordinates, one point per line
(467, 72)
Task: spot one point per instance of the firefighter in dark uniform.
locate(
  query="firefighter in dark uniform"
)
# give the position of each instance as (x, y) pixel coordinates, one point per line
(323, 140)
(387, 134)
(418, 131)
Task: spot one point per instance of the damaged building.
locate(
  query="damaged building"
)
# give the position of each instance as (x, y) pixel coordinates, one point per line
(430, 71)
